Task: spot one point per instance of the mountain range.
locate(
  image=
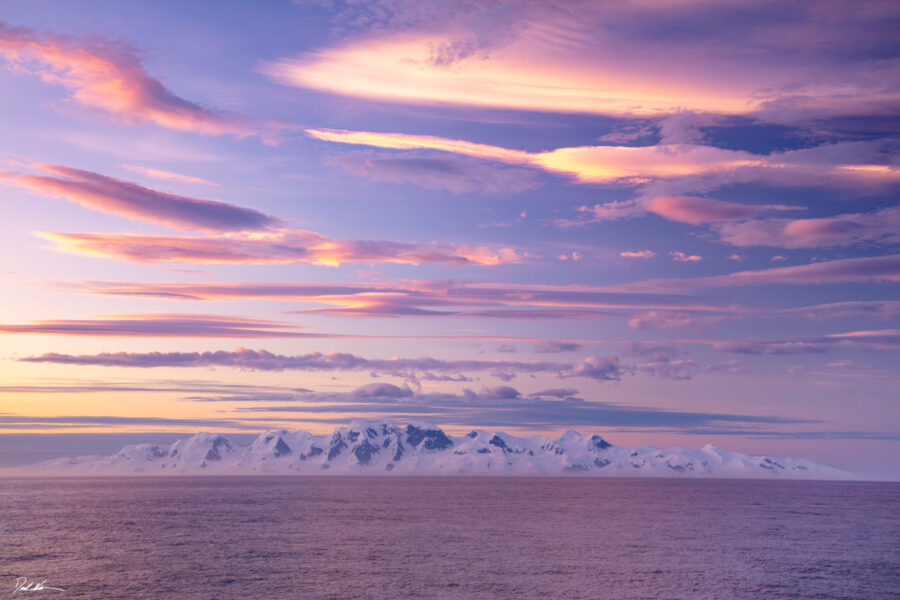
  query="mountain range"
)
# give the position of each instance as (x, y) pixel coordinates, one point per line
(376, 448)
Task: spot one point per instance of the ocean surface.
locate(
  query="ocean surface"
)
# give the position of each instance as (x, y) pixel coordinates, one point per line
(388, 538)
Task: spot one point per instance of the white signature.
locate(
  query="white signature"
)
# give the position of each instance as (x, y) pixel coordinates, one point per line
(23, 585)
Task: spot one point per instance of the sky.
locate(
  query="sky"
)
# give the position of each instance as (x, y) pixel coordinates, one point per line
(670, 223)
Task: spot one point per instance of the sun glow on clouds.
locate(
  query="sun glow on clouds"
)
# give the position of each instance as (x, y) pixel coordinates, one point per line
(280, 247)
(626, 164)
(109, 76)
(534, 73)
(587, 164)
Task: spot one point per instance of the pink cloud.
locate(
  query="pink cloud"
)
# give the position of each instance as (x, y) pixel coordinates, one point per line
(696, 210)
(403, 294)
(611, 58)
(160, 325)
(644, 254)
(881, 226)
(284, 246)
(125, 199)
(109, 76)
(168, 175)
(608, 368)
(679, 256)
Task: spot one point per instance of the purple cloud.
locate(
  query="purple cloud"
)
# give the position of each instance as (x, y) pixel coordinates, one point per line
(607, 368)
(867, 269)
(278, 247)
(125, 199)
(556, 346)
(455, 174)
(161, 325)
(882, 226)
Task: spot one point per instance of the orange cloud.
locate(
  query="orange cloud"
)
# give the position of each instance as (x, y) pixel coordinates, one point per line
(535, 73)
(588, 164)
(626, 58)
(634, 164)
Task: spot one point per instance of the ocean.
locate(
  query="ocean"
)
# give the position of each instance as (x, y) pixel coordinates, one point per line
(454, 537)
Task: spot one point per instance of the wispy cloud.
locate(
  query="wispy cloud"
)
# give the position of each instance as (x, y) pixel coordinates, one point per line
(868, 269)
(425, 298)
(455, 174)
(587, 164)
(598, 368)
(696, 210)
(661, 169)
(884, 339)
(168, 175)
(881, 226)
(623, 58)
(82, 421)
(556, 346)
(275, 247)
(109, 76)
(125, 199)
(160, 325)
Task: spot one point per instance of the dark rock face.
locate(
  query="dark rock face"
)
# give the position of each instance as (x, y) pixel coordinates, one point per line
(157, 452)
(313, 451)
(434, 439)
(768, 463)
(601, 463)
(556, 449)
(218, 444)
(498, 441)
(483, 451)
(575, 468)
(282, 449)
(352, 436)
(678, 468)
(472, 434)
(399, 453)
(337, 444)
(599, 443)
(364, 452)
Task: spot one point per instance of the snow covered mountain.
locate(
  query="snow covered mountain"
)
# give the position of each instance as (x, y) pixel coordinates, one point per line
(422, 449)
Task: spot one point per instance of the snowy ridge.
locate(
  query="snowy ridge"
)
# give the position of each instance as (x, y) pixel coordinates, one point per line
(376, 448)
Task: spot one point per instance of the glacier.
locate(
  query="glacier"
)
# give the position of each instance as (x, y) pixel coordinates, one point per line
(378, 448)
